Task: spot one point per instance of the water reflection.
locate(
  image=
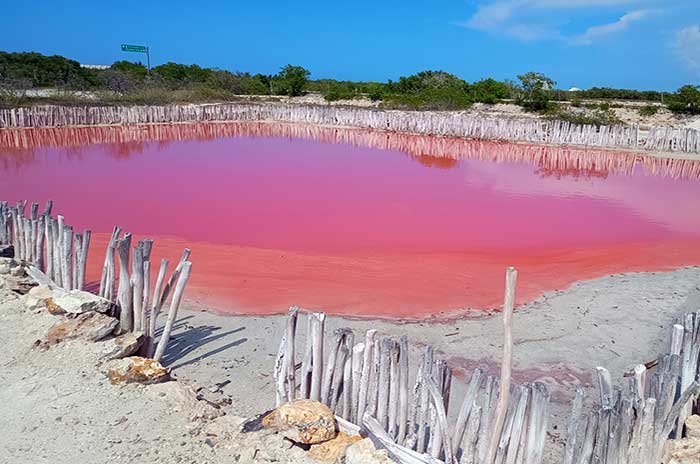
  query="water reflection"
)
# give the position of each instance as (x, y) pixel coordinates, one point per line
(19, 147)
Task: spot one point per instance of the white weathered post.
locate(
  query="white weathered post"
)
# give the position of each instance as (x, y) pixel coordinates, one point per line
(172, 313)
(506, 363)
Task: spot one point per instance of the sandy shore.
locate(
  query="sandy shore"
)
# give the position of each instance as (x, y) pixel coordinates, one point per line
(60, 407)
(615, 321)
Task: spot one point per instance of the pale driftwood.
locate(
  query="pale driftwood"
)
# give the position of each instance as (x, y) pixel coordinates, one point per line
(677, 339)
(367, 362)
(347, 387)
(424, 406)
(174, 277)
(538, 422)
(48, 208)
(573, 426)
(278, 373)
(358, 353)
(68, 257)
(77, 249)
(145, 323)
(305, 377)
(439, 405)
(155, 309)
(290, 364)
(82, 268)
(469, 449)
(60, 255)
(374, 379)
(403, 390)
(400, 454)
(518, 429)
(108, 269)
(57, 253)
(124, 293)
(337, 384)
(465, 410)
(394, 385)
(384, 383)
(41, 225)
(172, 313)
(137, 282)
(506, 362)
(605, 387)
(488, 412)
(317, 336)
(640, 381)
(338, 337)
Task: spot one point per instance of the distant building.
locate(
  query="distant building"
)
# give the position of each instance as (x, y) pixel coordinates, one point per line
(574, 89)
(94, 66)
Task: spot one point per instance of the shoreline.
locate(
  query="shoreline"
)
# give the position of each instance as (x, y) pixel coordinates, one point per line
(462, 124)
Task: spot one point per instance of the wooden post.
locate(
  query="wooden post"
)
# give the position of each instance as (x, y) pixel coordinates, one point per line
(317, 335)
(176, 273)
(573, 426)
(338, 337)
(108, 269)
(172, 313)
(124, 293)
(439, 405)
(358, 352)
(305, 380)
(290, 364)
(366, 373)
(68, 257)
(506, 363)
(82, 269)
(137, 288)
(424, 405)
(383, 384)
(60, 253)
(403, 390)
(155, 308)
(465, 410)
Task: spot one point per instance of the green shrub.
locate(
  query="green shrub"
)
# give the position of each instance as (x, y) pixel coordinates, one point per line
(290, 81)
(686, 100)
(430, 99)
(648, 110)
(534, 92)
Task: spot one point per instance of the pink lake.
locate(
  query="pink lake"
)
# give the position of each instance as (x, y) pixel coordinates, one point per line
(360, 222)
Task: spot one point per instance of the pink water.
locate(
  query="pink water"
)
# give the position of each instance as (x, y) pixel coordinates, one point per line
(361, 222)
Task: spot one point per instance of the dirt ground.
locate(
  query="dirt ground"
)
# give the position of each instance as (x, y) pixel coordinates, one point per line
(59, 407)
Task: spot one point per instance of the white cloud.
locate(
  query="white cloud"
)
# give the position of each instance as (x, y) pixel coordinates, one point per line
(596, 32)
(513, 18)
(687, 45)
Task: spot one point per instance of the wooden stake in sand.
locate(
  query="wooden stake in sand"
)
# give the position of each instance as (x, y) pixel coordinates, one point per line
(155, 308)
(317, 333)
(124, 293)
(506, 363)
(172, 313)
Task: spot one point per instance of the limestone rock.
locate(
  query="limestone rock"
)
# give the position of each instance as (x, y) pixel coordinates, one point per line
(684, 451)
(182, 398)
(333, 450)
(692, 425)
(364, 452)
(78, 302)
(303, 421)
(137, 370)
(20, 285)
(87, 326)
(123, 345)
(38, 297)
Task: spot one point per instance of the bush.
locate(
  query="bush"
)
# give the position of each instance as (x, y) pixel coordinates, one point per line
(489, 91)
(290, 81)
(430, 99)
(686, 100)
(648, 110)
(45, 71)
(595, 118)
(534, 91)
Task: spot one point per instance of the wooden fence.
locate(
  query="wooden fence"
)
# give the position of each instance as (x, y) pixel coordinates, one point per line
(49, 246)
(457, 124)
(366, 383)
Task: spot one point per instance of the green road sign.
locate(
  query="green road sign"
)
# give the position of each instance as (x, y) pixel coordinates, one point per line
(134, 48)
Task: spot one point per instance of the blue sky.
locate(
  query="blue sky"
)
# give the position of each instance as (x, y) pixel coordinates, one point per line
(643, 44)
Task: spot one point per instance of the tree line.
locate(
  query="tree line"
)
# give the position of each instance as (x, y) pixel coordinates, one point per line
(427, 90)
